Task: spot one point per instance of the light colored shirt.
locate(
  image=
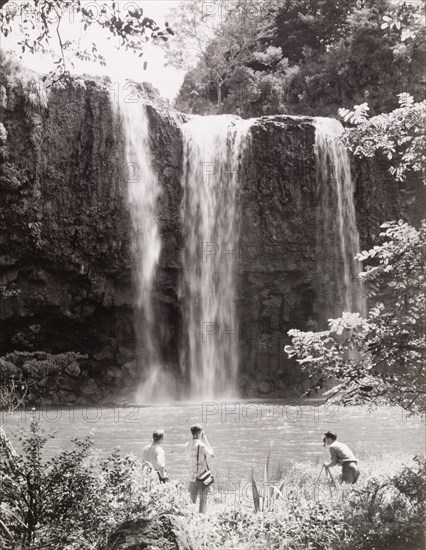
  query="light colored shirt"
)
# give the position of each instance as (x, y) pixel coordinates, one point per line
(154, 454)
(197, 452)
(340, 453)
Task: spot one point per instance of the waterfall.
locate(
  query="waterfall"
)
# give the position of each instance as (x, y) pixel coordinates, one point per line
(213, 150)
(143, 193)
(338, 237)
(212, 147)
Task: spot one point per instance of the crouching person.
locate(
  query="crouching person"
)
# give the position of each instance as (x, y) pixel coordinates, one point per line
(201, 479)
(342, 455)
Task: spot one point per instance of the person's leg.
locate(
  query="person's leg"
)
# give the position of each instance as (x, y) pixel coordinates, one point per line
(204, 491)
(356, 475)
(193, 491)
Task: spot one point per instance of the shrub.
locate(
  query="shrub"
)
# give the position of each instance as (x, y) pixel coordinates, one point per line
(76, 498)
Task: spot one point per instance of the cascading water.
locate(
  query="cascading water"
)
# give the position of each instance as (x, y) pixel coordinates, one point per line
(213, 149)
(143, 192)
(338, 238)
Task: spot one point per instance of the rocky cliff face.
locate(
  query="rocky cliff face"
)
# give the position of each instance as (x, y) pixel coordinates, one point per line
(277, 283)
(65, 233)
(285, 275)
(65, 237)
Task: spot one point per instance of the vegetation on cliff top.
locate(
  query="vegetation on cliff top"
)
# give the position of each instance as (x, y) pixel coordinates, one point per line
(299, 57)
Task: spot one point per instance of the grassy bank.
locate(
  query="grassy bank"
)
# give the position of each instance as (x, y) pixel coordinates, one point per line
(384, 511)
(77, 499)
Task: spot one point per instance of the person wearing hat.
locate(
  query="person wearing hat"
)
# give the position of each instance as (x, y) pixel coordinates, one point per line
(341, 454)
(198, 449)
(155, 456)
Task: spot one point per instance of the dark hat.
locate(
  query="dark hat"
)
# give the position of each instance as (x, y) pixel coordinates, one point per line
(331, 435)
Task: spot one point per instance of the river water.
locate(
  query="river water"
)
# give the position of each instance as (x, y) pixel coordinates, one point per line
(241, 433)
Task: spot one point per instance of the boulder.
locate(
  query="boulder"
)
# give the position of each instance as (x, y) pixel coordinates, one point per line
(264, 387)
(88, 387)
(165, 532)
(125, 355)
(73, 370)
(65, 383)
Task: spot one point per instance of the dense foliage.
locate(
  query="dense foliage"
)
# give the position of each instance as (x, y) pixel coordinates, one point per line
(74, 499)
(398, 136)
(297, 57)
(380, 358)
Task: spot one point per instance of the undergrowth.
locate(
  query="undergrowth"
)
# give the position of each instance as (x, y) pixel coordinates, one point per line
(76, 499)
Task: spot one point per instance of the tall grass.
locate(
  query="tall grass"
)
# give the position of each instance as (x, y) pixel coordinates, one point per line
(383, 511)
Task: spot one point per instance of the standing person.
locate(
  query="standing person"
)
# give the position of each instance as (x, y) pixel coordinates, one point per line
(341, 454)
(197, 450)
(155, 456)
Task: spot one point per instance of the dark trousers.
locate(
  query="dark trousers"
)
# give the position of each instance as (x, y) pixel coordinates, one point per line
(350, 473)
(196, 488)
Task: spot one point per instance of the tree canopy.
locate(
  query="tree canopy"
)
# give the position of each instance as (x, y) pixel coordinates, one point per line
(298, 56)
(41, 23)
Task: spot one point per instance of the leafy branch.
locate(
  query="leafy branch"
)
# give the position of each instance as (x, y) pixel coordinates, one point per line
(398, 136)
(42, 21)
(379, 359)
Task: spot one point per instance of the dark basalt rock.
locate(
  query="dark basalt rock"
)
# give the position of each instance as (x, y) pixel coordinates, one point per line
(163, 533)
(65, 230)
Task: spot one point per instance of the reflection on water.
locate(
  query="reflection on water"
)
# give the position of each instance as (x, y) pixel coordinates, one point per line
(241, 433)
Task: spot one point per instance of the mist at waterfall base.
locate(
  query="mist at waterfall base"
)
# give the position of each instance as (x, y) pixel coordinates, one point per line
(214, 148)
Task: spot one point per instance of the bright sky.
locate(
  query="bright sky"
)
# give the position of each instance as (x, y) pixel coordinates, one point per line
(120, 64)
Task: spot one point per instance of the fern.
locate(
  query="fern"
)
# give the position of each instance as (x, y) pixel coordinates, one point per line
(358, 115)
(405, 100)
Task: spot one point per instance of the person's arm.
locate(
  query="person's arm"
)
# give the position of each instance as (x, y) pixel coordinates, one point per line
(333, 457)
(208, 447)
(145, 455)
(161, 462)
